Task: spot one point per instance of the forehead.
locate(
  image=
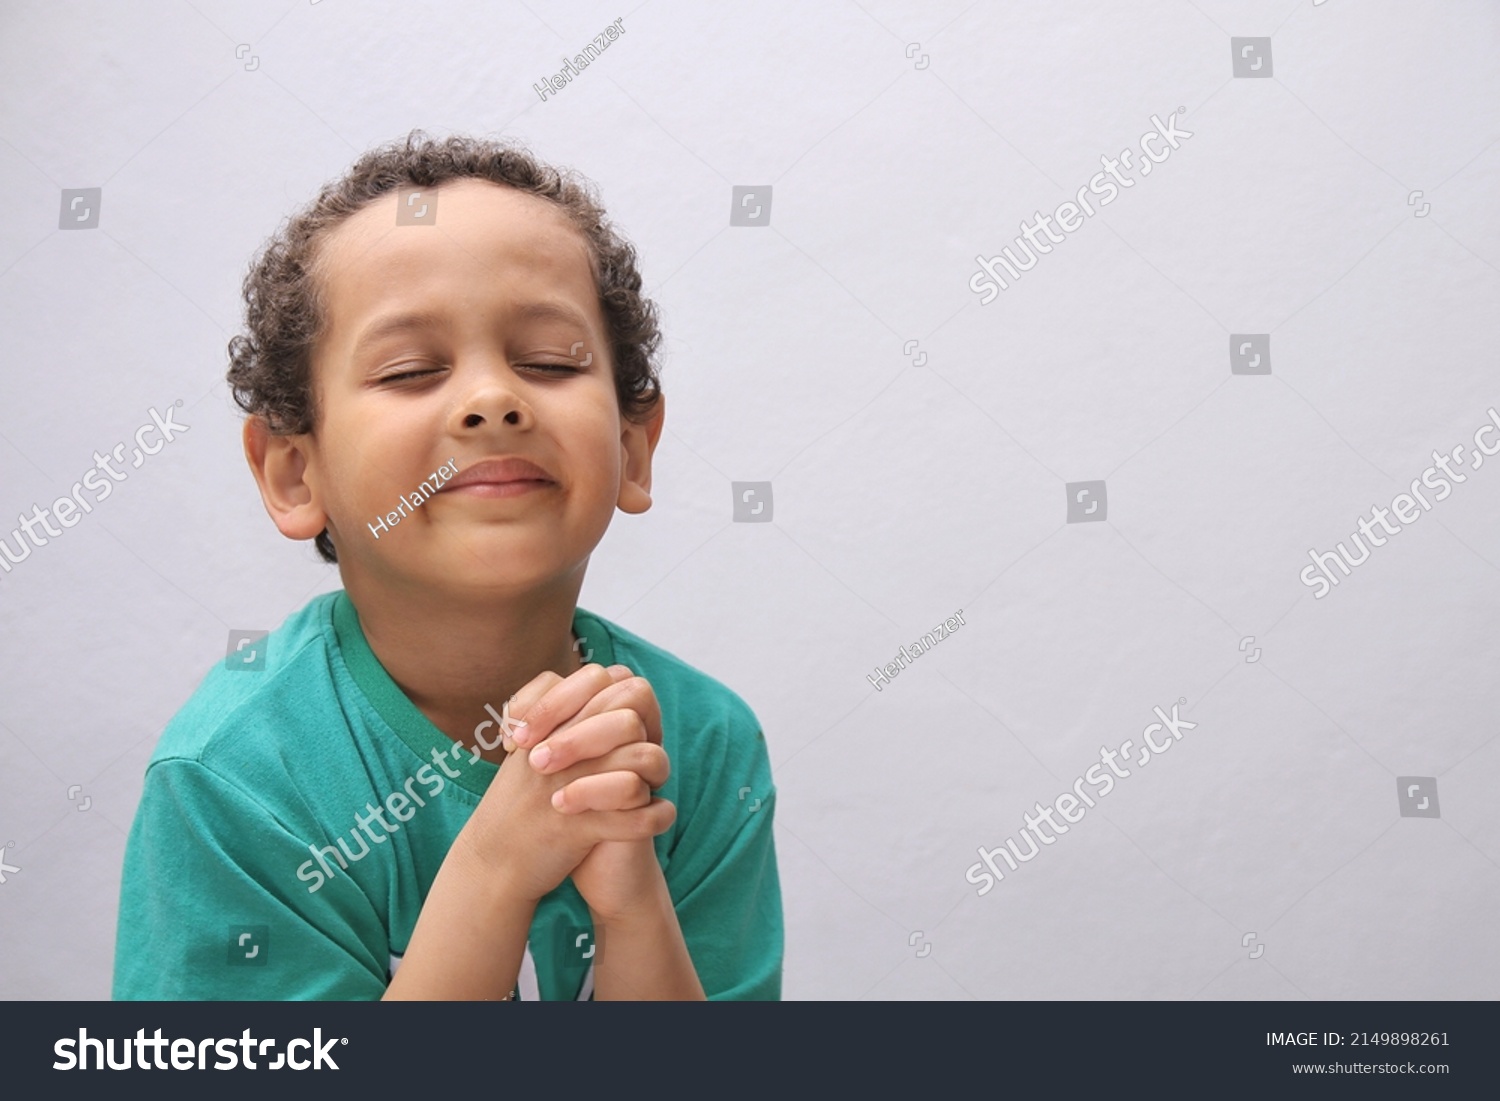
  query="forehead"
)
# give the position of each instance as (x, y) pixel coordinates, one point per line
(489, 246)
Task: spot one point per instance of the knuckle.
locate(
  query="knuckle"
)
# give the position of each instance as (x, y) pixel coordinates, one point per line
(540, 685)
(535, 699)
(631, 724)
(537, 714)
(648, 756)
(623, 691)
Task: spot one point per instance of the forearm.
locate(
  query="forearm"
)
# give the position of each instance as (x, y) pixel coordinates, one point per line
(469, 937)
(643, 957)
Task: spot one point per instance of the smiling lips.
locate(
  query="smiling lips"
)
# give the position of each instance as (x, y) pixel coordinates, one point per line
(507, 477)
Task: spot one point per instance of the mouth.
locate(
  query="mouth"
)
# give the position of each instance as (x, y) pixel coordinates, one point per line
(506, 477)
(502, 489)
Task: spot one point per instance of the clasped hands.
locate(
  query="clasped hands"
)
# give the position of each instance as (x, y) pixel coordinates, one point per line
(573, 798)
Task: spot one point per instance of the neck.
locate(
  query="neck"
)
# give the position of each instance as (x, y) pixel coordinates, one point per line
(452, 654)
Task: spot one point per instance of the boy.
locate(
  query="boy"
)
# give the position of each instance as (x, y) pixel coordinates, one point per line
(428, 785)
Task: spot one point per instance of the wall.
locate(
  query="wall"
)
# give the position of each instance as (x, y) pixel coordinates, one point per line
(1278, 328)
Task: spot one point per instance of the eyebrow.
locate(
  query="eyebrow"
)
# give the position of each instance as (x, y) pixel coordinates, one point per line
(418, 320)
(396, 323)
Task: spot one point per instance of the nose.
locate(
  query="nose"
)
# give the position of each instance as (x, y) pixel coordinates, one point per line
(474, 420)
(491, 400)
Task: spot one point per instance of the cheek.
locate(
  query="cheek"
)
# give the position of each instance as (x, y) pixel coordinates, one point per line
(595, 430)
(367, 465)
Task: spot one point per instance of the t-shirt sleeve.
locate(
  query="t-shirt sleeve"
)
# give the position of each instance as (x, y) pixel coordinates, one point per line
(722, 875)
(212, 908)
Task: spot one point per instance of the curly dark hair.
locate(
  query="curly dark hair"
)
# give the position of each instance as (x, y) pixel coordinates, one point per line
(270, 363)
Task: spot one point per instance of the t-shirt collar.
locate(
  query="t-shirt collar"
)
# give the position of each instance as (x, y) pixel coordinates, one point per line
(402, 716)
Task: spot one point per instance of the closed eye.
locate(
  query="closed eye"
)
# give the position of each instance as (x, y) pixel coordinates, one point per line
(402, 376)
(424, 372)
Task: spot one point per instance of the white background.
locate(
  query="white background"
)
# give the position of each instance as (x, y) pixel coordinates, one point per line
(902, 492)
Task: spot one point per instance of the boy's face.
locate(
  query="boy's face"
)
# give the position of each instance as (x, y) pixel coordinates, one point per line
(476, 338)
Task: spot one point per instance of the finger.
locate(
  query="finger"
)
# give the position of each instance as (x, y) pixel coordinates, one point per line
(609, 697)
(496, 732)
(647, 761)
(627, 692)
(528, 696)
(587, 738)
(556, 705)
(637, 694)
(634, 825)
(606, 791)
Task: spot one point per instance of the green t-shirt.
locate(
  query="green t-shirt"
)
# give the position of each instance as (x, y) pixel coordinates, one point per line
(248, 875)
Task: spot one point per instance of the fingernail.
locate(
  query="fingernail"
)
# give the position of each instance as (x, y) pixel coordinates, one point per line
(557, 798)
(516, 729)
(541, 756)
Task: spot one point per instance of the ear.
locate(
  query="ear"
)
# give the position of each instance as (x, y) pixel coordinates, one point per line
(280, 466)
(637, 445)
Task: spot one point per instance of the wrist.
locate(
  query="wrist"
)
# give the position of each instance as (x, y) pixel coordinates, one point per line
(647, 904)
(492, 880)
(474, 904)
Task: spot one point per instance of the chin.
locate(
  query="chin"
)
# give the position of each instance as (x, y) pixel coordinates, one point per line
(494, 573)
